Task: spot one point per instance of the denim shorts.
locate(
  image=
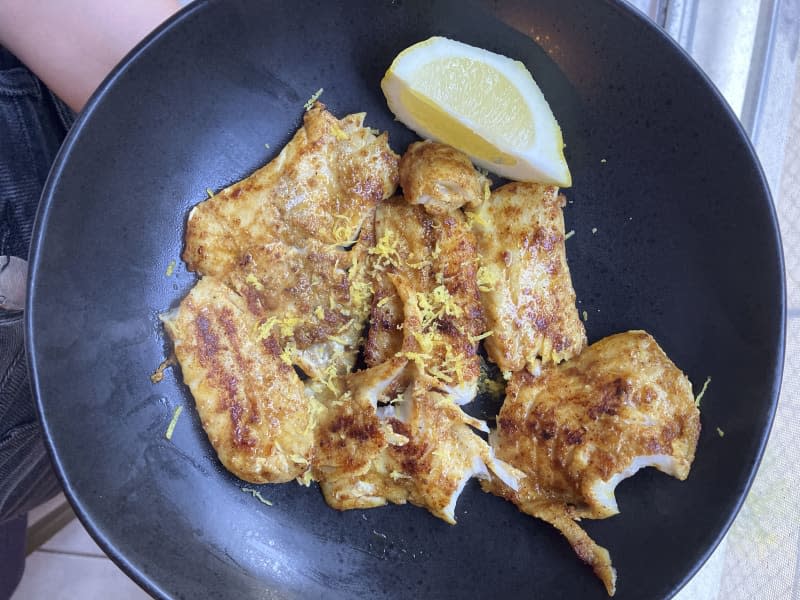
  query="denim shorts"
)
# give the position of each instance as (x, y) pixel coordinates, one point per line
(33, 123)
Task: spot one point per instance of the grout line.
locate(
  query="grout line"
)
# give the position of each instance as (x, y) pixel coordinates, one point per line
(75, 554)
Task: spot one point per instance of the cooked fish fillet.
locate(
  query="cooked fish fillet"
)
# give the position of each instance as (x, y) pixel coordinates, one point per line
(524, 279)
(251, 403)
(430, 454)
(427, 262)
(316, 302)
(293, 239)
(582, 426)
(440, 178)
(322, 186)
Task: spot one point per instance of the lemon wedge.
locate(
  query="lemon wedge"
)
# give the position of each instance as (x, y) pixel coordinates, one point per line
(482, 103)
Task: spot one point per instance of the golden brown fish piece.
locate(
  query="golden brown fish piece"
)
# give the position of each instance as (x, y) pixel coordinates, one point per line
(428, 261)
(280, 238)
(251, 403)
(440, 178)
(351, 437)
(316, 302)
(524, 279)
(430, 451)
(582, 426)
(322, 186)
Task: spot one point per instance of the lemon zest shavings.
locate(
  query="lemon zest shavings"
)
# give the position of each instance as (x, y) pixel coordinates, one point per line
(338, 132)
(487, 279)
(319, 312)
(474, 339)
(360, 288)
(383, 301)
(253, 280)
(305, 479)
(344, 235)
(474, 218)
(386, 250)
(257, 495)
(439, 374)
(569, 234)
(209, 192)
(288, 353)
(263, 330)
(330, 378)
(702, 392)
(314, 97)
(173, 422)
(170, 268)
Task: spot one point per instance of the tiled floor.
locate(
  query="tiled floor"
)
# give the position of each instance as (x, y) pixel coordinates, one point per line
(70, 566)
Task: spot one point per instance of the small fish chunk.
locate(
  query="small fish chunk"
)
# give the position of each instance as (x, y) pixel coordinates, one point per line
(440, 178)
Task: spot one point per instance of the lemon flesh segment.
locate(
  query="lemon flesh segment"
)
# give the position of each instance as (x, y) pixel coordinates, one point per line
(484, 104)
(441, 126)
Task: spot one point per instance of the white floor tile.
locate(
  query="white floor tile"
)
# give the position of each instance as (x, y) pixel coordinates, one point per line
(73, 539)
(67, 577)
(42, 510)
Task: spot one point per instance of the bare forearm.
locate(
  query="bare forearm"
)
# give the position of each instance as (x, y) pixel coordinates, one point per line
(73, 44)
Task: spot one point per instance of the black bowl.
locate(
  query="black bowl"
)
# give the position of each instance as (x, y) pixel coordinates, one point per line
(675, 234)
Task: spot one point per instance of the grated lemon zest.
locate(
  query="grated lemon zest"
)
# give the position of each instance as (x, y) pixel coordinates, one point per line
(314, 97)
(418, 358)
(477, 338)
(383, 301)
(338, 133)
(257, 495)
(253, 280)
(170, 268)
(386, 250)
(173, 422)
(288, 353)
(487, 279)
(439, 374)
(305, 479)
(702, 392)
(319, 312)
(474, 218)
(263, 330)
(329, 378)
(360, 289)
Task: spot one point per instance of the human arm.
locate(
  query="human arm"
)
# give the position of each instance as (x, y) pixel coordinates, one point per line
(72, 45)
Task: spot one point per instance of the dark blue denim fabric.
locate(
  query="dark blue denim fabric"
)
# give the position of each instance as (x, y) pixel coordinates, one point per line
(33, 124)
(12, 555)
